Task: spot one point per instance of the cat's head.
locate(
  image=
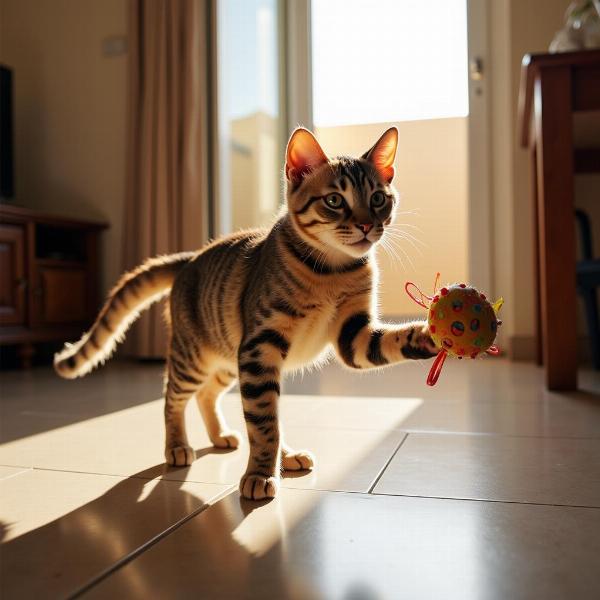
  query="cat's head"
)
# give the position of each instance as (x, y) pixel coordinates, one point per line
(340, 205)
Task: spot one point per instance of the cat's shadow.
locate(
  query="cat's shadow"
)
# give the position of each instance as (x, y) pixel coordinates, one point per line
(66, 555)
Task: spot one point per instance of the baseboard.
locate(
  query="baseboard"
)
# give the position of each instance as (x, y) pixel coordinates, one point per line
(524, 348)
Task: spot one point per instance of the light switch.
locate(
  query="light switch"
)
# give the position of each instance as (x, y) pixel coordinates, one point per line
(114, 45)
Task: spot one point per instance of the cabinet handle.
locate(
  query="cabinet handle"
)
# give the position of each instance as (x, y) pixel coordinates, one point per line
(22, 283)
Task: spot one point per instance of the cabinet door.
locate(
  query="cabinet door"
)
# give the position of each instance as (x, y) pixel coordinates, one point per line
(63, 295)
(12, 275)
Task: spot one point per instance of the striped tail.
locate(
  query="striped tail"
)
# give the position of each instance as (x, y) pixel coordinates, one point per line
(135, 291)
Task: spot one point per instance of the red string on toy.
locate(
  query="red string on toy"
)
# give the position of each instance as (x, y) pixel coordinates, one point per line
(493, 350)
(436, 367)
(423, 296)
(435, 284)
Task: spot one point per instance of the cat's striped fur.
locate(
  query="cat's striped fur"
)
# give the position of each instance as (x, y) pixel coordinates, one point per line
(257, 303)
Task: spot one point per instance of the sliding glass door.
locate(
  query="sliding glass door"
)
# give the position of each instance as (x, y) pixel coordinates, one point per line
(250, 119)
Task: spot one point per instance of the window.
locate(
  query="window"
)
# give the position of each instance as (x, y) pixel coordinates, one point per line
(249, 128)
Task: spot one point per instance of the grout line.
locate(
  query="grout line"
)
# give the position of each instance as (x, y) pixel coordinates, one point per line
(499, 434)
(452, 498)
(147, 545)
(379, 475)
(116, 475)
(490, 500)
(23, 470)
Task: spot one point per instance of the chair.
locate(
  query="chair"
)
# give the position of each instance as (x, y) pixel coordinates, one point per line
(588, 279)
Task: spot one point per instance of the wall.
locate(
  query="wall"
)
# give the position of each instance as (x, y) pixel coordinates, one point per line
(70, 103)
(518, 27)
(255, 171)
(431, 176)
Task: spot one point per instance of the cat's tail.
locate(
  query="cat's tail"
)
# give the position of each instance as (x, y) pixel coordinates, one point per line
(134, 292)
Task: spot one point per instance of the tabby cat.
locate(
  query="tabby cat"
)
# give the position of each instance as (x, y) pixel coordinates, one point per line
(255, 304)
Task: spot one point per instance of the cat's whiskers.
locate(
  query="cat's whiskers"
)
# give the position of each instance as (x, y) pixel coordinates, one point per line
(398, 238)
(395, 242)
(412, 211)
(416, 227)
(391, 252)
(398, 228)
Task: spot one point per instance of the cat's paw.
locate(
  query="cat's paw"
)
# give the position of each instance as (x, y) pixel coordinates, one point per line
(420, 343)
(227, 439)
(298, 461)
(258, 487)
(180, 456)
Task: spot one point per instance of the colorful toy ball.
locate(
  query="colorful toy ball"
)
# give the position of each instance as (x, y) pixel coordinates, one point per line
(462, 322)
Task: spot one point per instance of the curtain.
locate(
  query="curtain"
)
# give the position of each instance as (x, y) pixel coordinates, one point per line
(167, 195)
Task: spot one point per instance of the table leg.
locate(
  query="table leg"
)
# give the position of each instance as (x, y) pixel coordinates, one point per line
(554, 137)
(539, 357)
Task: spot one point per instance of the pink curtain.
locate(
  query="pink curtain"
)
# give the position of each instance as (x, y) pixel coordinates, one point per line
(167, 199)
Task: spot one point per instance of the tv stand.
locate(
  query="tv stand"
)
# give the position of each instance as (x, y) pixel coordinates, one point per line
(49, 269)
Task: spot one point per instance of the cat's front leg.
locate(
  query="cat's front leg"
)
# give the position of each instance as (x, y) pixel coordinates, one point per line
(261, 357)
(363, 343)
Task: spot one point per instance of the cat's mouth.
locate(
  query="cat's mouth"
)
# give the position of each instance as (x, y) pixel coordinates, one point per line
(361, 244)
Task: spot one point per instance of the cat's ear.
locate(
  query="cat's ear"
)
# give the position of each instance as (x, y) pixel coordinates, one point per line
(383, 153)
(303, 154)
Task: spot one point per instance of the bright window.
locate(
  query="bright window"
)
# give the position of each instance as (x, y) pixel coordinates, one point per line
(388, 60)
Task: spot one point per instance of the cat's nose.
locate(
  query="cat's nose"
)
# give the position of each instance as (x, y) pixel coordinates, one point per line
(365, 227)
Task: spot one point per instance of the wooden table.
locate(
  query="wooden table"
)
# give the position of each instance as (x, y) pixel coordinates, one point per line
(553, 87)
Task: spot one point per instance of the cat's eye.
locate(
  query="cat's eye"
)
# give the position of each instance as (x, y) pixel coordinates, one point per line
(377, 199)
(334, 200)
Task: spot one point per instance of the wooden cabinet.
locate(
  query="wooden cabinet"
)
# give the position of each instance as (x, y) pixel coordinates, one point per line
(62, 295)
(12, 275)
(48, 277)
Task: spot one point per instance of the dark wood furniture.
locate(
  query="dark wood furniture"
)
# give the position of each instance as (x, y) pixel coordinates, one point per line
(553, 88)
(48, 277)
(588, 280)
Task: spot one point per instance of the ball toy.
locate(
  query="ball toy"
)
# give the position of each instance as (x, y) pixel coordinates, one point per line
(462, 322)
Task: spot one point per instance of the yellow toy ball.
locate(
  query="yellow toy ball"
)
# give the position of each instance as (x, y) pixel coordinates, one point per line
(462, 322)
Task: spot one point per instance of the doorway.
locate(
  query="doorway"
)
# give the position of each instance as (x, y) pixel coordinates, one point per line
(378, 66)
(348, 71)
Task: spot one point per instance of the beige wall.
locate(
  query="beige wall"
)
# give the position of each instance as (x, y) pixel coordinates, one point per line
(431, 176)
(255, 171)
(69, 111)
(518, 27)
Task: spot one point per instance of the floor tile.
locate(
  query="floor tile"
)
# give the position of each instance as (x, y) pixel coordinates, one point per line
(556, 416)
(346, 460)
(61, 529)
(513, 469)
(310, 544)
(37, 400)
(484, 380)
(131, 441)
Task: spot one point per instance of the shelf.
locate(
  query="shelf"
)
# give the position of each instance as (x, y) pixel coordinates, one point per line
(57, 262)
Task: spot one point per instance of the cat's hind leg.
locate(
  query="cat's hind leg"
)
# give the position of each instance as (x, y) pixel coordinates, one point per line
(208, 398)
(296, 460)
(182, 383)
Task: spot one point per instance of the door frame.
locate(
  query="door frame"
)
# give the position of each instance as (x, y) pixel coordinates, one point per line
(295, 96)
(480, 225)
(297, 48)
(295, 81)
(479, 203)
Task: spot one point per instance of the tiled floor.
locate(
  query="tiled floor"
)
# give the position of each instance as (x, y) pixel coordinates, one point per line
(485, 486)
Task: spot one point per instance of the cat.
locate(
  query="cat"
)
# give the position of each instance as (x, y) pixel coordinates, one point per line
(254, 304)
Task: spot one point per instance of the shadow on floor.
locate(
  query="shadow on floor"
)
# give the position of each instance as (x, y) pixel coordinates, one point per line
(37, 400)
(72, 554)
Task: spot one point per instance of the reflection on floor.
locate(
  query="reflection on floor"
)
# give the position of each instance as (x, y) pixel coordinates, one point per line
(484, 486)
